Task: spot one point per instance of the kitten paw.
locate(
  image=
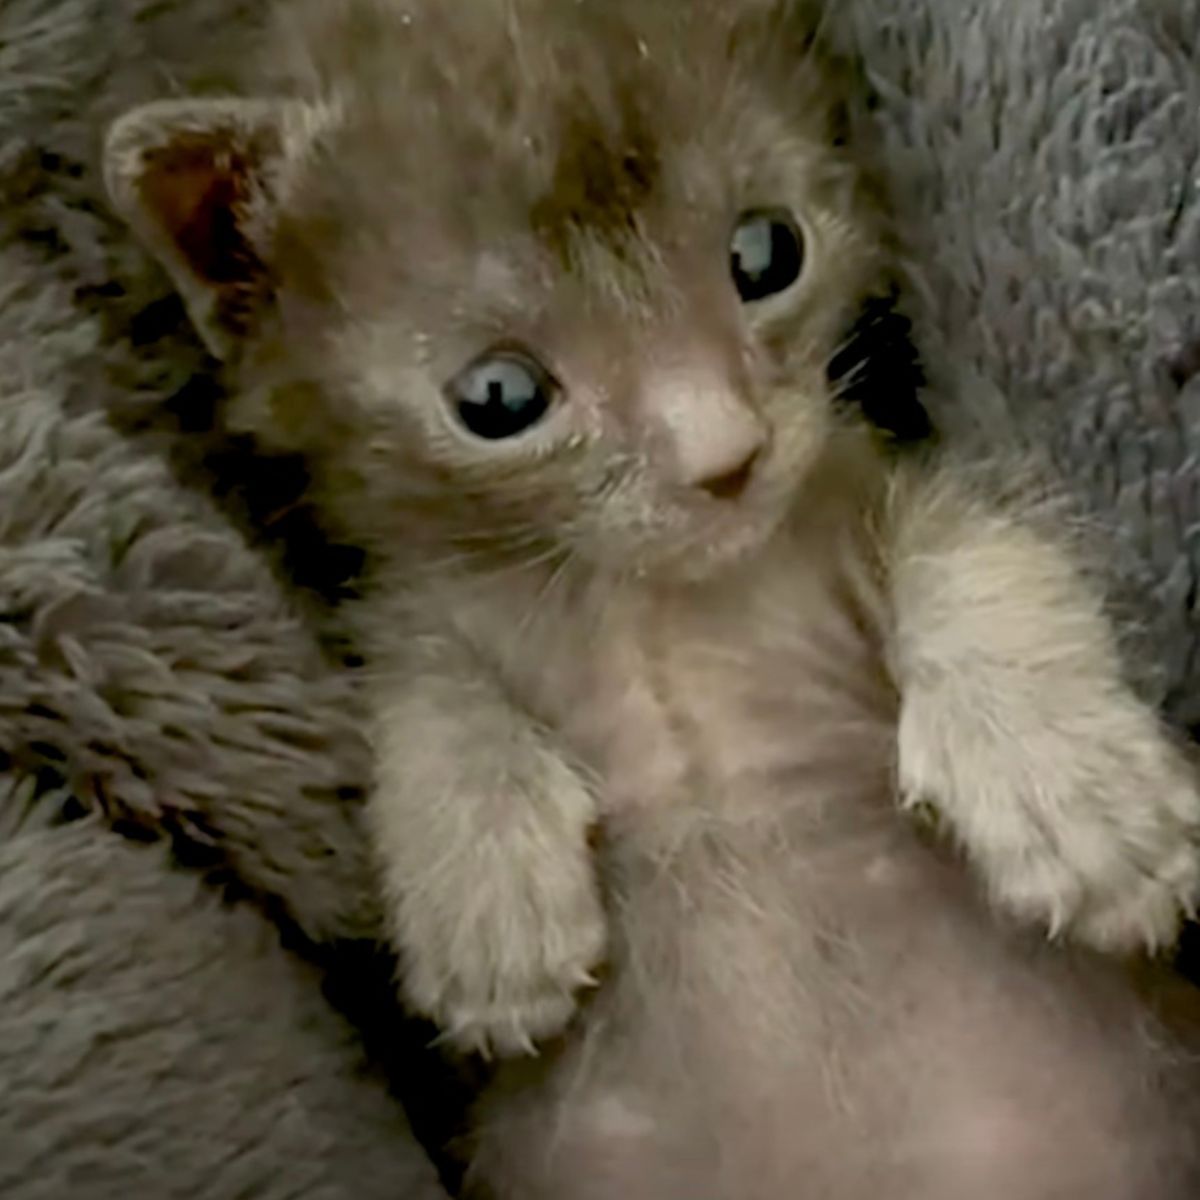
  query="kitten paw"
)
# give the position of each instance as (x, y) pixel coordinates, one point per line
(503, 971)
(1099, 842)
(1115, 889)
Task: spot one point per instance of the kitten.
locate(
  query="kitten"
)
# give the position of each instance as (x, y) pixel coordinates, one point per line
(549, 294)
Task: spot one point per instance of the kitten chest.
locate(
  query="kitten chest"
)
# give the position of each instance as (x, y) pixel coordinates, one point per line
(729, 693)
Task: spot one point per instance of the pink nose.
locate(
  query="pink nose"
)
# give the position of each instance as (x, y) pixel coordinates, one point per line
(712, 437)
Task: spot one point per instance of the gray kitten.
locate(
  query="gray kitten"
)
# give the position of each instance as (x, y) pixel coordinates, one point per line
(548, 291)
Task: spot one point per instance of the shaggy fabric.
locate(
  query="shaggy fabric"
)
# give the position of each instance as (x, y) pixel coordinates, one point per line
(154, 1043)
(181, 760)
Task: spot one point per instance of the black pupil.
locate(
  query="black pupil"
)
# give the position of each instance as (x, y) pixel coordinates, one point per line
(501, 396)
(767, 254)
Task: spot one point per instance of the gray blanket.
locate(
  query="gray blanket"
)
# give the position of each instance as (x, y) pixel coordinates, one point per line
(180, 767)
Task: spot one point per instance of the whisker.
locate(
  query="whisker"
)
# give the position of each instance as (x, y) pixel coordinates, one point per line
(541, 601)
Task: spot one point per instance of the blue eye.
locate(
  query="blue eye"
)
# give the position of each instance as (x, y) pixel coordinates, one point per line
(766, 254)
(501, 395)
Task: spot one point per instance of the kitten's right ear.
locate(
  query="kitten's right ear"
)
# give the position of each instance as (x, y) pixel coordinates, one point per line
(200, 182)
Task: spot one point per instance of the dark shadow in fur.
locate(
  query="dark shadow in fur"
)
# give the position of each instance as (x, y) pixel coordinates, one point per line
(878, 371)
(265, 495)
(1187, 958)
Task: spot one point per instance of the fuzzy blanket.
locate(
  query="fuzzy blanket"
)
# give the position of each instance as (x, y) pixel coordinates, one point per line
(190, 1004)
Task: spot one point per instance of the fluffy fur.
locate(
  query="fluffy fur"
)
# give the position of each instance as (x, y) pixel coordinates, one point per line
(565, 630)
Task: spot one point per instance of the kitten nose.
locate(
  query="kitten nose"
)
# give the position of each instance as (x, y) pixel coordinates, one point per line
(713, 436)
(729, 485)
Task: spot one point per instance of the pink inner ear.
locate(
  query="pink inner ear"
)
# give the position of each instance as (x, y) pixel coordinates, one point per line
(197, 187)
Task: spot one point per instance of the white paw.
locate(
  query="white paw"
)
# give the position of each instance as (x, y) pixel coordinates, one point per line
(1095, 840)
(499, 967)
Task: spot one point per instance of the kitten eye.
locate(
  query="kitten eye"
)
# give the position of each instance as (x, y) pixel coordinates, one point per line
(766, 255)
(501, 394)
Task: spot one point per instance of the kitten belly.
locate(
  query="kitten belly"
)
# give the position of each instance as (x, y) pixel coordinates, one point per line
(838, 1025)
(806, 1001)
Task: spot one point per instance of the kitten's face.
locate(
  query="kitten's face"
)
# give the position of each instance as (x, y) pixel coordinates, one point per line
(655, 404)
(576, 290)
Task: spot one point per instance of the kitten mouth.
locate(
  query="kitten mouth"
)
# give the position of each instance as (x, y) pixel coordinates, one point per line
(731, 485)
(727, 535)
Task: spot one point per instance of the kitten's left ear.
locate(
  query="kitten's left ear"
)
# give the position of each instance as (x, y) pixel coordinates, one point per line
(200, 182)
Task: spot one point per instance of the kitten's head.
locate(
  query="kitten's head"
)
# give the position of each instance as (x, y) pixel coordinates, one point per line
(526, 275)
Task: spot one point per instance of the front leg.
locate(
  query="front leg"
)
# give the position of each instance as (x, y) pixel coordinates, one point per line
(1016, 726)
(482, 829)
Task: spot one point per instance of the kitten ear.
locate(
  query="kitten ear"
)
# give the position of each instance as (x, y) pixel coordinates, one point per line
(200, 182)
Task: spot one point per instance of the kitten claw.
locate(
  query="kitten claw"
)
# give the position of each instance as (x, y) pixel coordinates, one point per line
(1142, 911)
(504, 1029)
(1056, 925)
